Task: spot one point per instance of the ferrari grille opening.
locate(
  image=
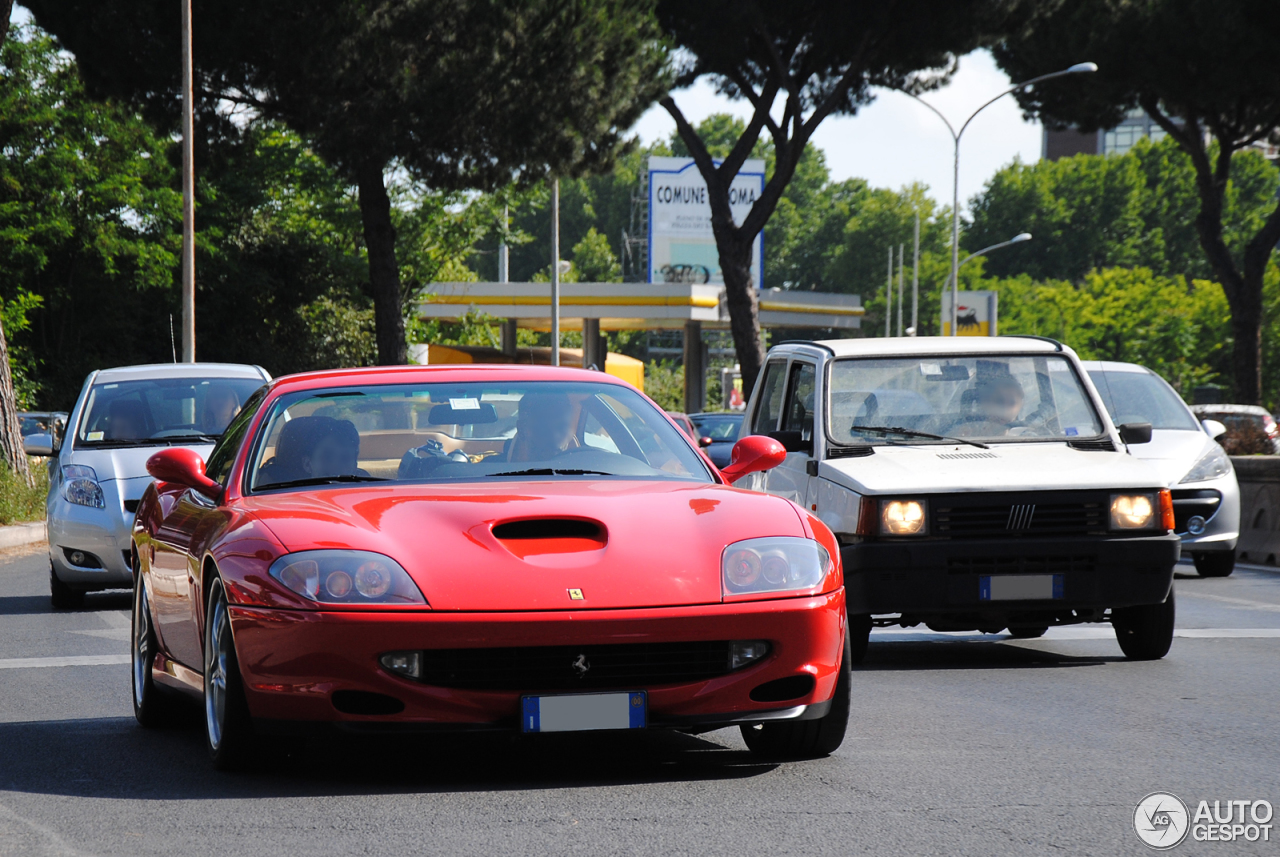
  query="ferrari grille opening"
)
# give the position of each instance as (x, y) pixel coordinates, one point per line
(781, 689)
(549, 528)
(365, 702)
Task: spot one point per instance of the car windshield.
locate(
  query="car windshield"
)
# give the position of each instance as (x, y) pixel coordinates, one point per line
(997, 398)
(721, 429)
(161, 410)
(1140, 397)
(464, 432)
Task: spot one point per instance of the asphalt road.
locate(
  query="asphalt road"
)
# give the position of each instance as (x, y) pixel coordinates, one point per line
(960, 744)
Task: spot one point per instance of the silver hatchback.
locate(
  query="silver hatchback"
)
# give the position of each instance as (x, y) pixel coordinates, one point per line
(97, 478)
(1185, 451)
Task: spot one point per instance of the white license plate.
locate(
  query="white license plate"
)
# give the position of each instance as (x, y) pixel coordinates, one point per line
(584, 712)
(1020, 587)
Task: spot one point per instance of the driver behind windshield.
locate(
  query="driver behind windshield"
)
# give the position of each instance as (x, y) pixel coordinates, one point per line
(314, 448)
(544, 427)
(126, 420)
(997, 402)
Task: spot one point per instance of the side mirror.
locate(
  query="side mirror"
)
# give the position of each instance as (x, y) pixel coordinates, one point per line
(1214, 428)
(59, 429)
(793, 441)
(40, 444)
(1132, 433)
(184, 467)
(704, 442)
(753, 454)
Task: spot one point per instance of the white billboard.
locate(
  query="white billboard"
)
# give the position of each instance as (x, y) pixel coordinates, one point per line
(976, 315)
(682, 248)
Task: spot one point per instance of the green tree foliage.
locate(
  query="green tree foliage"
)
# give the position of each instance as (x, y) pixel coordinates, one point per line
(593, 260)
(821, 57)
(437, 88)
(1203, 70)
(87, 220)
(1091, 212)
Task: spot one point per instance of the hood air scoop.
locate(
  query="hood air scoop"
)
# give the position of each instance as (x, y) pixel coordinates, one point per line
(536, 536)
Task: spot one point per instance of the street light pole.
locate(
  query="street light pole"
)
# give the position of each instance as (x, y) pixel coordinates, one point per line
(188, 196)
(1078, 68)
(555, 272)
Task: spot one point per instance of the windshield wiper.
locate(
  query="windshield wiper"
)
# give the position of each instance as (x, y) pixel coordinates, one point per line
(325, 480)
(912, 433)
(186, 438)
(549, 471)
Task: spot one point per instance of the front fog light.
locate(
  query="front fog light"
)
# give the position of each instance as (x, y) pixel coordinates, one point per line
(1133, 511)
(901, 518)
(407, 664)
(743, 652)
(1195, 525)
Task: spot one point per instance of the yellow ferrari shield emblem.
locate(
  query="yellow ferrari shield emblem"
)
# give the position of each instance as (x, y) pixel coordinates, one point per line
(575, 595)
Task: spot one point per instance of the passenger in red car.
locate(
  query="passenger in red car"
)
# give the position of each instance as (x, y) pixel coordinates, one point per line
(313, 447)
(544, 427)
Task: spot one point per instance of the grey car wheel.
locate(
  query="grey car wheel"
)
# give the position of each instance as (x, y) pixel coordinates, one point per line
(150, 706)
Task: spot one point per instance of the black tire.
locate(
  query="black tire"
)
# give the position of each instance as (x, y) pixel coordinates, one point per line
(62, 595)
(228, 730)
(806, 739)
(151, 706)
(1215, 563)
(1145, 632)
(1027, 632)
(859, 637)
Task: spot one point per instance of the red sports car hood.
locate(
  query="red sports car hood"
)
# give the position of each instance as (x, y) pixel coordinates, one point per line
(480, 547)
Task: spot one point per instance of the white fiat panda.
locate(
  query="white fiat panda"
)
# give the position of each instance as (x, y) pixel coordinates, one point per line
(974, 484)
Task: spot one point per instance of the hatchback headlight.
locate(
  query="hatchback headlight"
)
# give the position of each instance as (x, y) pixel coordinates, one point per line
(773, 566)
(1215, 463)
(1135, 511)
(346, 577)
(80, 486)
(902, 518)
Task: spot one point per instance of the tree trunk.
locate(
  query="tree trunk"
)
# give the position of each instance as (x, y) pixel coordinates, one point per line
(15, 454)
(384, 273)
(744, 307)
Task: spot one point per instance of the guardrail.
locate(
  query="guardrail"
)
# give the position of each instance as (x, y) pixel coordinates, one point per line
(1259, 477)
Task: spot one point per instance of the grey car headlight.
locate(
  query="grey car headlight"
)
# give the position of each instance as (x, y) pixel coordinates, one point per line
(80, 486)
(1215, 463)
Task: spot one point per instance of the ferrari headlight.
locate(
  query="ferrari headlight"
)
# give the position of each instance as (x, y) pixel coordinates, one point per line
(902, 518)
(80, 486)
(773, 566)
(346, 577)
(1212, 465)
(1134, 511)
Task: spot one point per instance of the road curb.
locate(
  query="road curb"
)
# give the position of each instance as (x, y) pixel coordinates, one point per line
(17, 535)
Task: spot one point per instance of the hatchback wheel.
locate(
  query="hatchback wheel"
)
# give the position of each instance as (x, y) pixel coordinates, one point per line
(1145, 632)
(228, 732)
(62, 596)
(1215, 564)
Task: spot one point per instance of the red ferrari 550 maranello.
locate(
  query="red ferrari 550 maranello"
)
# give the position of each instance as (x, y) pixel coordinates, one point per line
(481, 547)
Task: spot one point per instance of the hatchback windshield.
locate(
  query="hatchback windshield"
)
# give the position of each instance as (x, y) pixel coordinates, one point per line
(1140, 397)
(468, 432)
(139, 413)
(998, 398)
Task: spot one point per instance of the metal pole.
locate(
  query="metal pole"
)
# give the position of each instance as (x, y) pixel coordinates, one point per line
(900, 277)
(504, 269)
(915, 284)
(188, 196)
(555, 272)
(955, 236)
(888, 297)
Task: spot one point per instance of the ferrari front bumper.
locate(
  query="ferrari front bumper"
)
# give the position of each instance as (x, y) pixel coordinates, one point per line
(293, 662)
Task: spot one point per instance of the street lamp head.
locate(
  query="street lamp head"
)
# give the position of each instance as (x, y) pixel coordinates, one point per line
(1020, 237)
(1082, 67)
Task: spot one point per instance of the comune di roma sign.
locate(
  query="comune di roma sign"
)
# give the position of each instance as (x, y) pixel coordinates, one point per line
(682, 248)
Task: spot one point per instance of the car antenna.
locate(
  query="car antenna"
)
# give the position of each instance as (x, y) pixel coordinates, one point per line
(172, 345)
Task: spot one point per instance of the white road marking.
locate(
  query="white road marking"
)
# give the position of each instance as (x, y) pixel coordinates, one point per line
(1241, 602)
(124, 633)
(1068, 632)
(80, 661)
